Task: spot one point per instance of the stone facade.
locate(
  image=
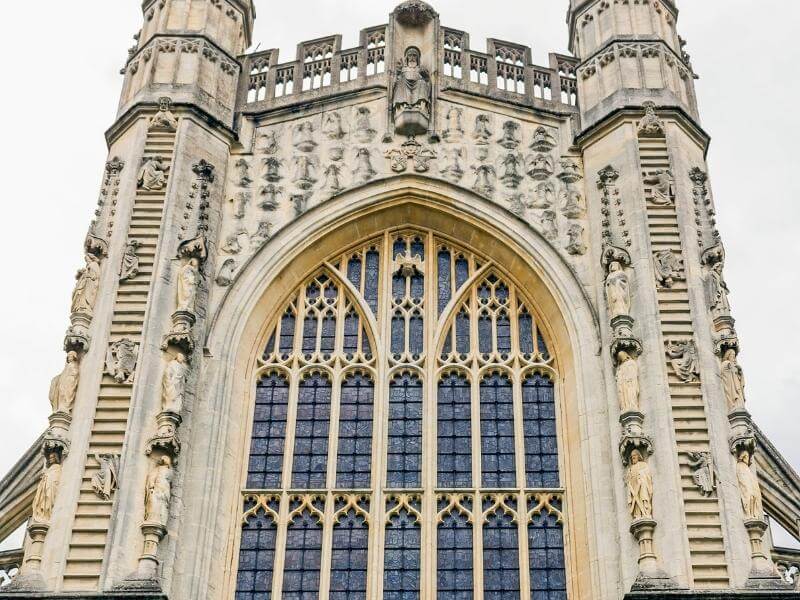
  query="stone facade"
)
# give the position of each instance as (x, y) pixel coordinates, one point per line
(234, 180)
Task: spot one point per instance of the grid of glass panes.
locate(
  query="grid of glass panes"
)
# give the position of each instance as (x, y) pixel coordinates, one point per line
(318, 416)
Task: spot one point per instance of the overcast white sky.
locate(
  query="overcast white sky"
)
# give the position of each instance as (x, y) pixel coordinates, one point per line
(60, 63)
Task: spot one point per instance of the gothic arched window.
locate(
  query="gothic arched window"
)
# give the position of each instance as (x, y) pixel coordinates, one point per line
(404, 441)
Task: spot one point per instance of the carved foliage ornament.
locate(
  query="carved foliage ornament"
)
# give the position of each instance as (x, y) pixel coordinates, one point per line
(414, 13)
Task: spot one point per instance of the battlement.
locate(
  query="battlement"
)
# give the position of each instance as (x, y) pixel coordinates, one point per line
(323, 69)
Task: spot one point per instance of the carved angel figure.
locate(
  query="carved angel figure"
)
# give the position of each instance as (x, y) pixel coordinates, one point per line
(628, 383)
(121, 360)
(663, 188)
(618, 291)
(105, 480)
(717, 289)
(412, 90)
(484, 179)
(732, 380)
(188, 282)
(46, 491)
(130, 262)
(173, 384)
(749, 488)
(639, 481)
(153, 174)
(703, 472)
(684, 360)
(512, 163)
(88, 283)
(158, 490)
(668, 268)
(64, 386)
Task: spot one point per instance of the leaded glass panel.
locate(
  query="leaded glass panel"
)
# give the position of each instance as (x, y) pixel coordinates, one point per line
(354, 465)
(311, 433)
(454, 439)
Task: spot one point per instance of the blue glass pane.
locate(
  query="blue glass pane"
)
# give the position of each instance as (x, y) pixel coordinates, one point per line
(371, 284)
(454, 438)
(416, 335)
(404, 454)
(444, 279)
(497, 432)
(542, 346)
(349, 558)
(353, 466)
(365, 345)
(352, 324)
(417, 286)
(539, 425)
(287, 334)
(500, 558)
(327, 342)
(269, 433)
(418, 248)
(303, 558)
(503, 334)
(310, 334)
(398, 287)
(401, 565)
(462, 333)
(311, 435)
(454, 558)
(398, 335)
(256, 558)
(354, 268)
(485, 334)
(462, 271)
(546, 548)
(400, 247)
(526, 333)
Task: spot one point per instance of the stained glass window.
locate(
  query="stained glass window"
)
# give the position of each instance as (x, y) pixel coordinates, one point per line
(401, 573)
(497, 432)
(500, 553)
(454, 547)
(404, 454)
(541, 445)
(350, 554)
(454, 437)
(354, 465)
(311, 433)
(269, 433)
(546, 549)
(257, 553)
(303, 558)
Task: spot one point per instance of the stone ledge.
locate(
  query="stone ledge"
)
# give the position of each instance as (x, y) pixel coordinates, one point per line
(715, 595)
(87, 596)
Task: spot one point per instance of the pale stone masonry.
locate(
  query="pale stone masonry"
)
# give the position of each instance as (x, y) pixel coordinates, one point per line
(467, 309)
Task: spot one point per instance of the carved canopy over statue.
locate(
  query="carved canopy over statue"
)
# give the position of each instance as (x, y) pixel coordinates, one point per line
(411, 103)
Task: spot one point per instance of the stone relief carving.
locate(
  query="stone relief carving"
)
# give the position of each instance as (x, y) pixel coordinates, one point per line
(549, 225)
(333, 179)
(685, 359)
(87, 285)
(573, 205)
(544, 195)
(483, 130)
(121, 360)
(669, 268)
(173, 384)
(639, 481)
(616, 238)
(575, 244)
(411, 95)
(365, 132)
(703, 472)
(102, 225)
(130, 261)
(411, 151)
(105, 481)
(226, 273)
(272, 172)
(305, 168)
(628, 382)
(153, 174)
(485, 176)
(732, 381)
(49, 481)
(332, 126)
(240, 202)
(717, 290)
(164, 120)
(749, 488)
(158, 490)
(269, 142)
(414, 13)
(511, 136)
(540, 167)
(455, 127)
(651, 125)
(364, 171)
(270, 197)
(64, 386)
(304, 137)
(451, 165)
(511, 164)
(618, 290)
(242, 167)
(543, 140)
(662, 184)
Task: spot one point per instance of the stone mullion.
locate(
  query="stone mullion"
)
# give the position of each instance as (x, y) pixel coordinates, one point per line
(327, 546)
(428, 550)
(477, 545)
(280, 546)
(524, 551)
(475, 382)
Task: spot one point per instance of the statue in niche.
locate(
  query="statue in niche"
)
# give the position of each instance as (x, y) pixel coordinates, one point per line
(639, 481)
(717, 290)
(333, 178)
(332, 126)
(411, 97)
(628, 383)
(618, 291)
(732, 380)
(105, 480)
(451, 168)
(575, 244)
(273, 169)
(164, 120)
(304, 137)
(188, 282)
(84, 295)
(64, 386)
(45, 498)
(684, 359)
(455, 130)
(269, 142)
(484, 179)
(543, 140)
(153, 174)
(549, 225)
(130, 262)
(703, 473)
(243, 167)
(304, 171)
(173, 384)
(749, 487)
(121, 360)
(663, 186)
(483, 132)
(510, 139)
(669, 268)
(365, 133)
(158, 490)
(651, 125)
(512, 163)
(540, 166)
(364, 172)
(545, 195)
(269, 201)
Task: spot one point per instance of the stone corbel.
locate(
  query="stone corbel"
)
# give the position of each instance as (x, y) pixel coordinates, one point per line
(166, 440)
(77, 337)
(180, 334)
(624, 340)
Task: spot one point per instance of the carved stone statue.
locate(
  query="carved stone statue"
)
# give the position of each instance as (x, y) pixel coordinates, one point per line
(153, 174)
(332, 126)
(732, 380)
(88, 283)
(158, 490)
(717, 289)
(663, 186)
(669, 268)
(365, 133)
(121, 360)
(130, 262)
(512, 163)
(411, 99)
(618, 291)
(364, 172)
(455, 130)
(628, 383)
(639, 480)
(543, 140)
(304, 171)
(749, 488)
(164, 120)
(549, 225)
(64, 386)
(173, 385)
(483, 132)
(510, 139)
(575, 244)
(46, 491)
(105, 480)
(188, 282)
(703, 473)
(684, 360)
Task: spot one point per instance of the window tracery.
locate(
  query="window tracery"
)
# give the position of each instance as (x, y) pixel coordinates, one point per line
(444, 434)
